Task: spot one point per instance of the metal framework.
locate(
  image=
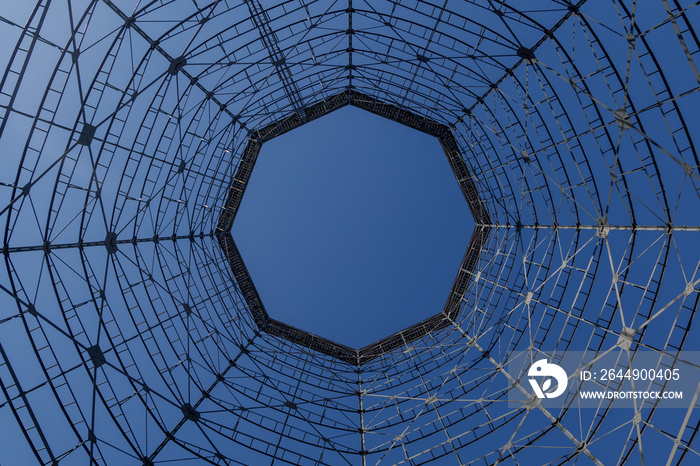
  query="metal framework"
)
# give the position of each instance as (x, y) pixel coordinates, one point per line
(127, 336)
(316, 342)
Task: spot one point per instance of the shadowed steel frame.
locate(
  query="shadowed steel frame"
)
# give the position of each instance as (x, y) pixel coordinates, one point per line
(123, 124)
(316, 342)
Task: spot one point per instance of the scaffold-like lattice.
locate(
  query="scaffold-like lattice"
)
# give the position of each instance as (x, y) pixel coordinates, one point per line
(124, 335)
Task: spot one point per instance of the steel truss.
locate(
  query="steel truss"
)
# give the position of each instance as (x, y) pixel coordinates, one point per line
(315, 342)
(129, 334)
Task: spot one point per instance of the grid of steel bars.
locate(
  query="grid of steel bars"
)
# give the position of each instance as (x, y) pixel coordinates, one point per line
(124, 337)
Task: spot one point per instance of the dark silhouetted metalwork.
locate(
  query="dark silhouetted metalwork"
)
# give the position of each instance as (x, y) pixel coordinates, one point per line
(130, 334)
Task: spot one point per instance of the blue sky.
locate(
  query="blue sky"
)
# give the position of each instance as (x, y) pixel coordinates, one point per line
(353, 227)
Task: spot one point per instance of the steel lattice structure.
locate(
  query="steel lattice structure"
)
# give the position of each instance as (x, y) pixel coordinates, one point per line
(319, 343)
(124, 336)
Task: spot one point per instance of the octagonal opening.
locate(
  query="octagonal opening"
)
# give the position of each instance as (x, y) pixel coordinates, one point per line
(352, 227)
